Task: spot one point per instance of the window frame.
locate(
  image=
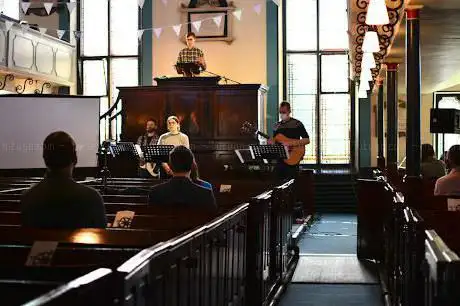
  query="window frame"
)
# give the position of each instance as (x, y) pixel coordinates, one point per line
(319, 53)
(81, 58)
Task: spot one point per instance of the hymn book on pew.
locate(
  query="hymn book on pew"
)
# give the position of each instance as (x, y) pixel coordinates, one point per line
(41, 253)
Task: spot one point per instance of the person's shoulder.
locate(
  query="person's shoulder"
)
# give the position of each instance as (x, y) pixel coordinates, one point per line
(88, 191)
(297, 122)
(183, 135)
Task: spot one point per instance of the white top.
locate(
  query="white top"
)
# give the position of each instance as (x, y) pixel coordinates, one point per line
(179, 139)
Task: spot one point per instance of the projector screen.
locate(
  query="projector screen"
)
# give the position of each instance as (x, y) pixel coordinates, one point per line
(25, 121)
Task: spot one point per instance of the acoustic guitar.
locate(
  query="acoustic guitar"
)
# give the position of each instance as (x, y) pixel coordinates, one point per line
(296, 153)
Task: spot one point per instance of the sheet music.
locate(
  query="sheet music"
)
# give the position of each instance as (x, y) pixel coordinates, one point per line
(123, 219)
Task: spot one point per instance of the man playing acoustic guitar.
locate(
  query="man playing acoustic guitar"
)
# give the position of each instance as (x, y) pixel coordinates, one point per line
(296, 136)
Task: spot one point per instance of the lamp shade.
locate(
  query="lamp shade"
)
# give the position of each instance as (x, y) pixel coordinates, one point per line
(377, 13)
(362, 94)
(364, 85)
(368, 61)
(371, 42)
(366, 75)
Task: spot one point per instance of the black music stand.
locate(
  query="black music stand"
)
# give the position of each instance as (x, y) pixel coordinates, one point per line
(124, 149)
(188, 69)
(269, 152)
(157, 153)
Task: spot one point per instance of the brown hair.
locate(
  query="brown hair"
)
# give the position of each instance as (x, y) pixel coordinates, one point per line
(286, 104)
(191, 34)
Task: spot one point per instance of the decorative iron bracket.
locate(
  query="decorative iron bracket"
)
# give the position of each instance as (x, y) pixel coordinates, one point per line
(8, 77)
(21, 88)
(46, 84)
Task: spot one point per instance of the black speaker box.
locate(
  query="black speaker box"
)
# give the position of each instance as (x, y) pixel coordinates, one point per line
(445, 121)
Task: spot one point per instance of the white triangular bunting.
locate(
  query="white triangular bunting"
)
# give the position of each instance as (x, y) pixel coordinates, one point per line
(8, 25)
(48, 6)
(60, 33)
(197, 25)
(157, 32)
(237, 14)
(140, 3)
(277, 2)
(71, 6)
(257, 8)
(139, 34)
(165, 2)
(25, 6)
(42, 30)
(177, 28)
(217, 20)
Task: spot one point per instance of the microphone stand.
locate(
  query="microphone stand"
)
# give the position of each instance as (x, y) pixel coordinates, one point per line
(105, 172)
(221, 76)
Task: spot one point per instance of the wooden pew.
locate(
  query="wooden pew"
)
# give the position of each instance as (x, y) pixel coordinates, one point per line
(177, 222)
(441, 272)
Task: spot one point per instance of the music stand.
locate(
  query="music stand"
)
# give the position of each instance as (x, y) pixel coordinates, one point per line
(245, 157)
(269, 152)
(124, 148)
(157, 153)
(189, 69)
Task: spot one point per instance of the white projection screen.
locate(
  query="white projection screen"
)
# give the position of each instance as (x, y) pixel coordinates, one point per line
(25, 121)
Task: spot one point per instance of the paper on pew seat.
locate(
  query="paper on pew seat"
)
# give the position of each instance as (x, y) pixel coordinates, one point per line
(41, 253)
(123, 219)
(225, 188)
(453, 204)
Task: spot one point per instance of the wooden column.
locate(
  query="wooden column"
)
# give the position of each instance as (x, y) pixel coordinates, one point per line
(413, 83)
(380, 135)
(392, 120)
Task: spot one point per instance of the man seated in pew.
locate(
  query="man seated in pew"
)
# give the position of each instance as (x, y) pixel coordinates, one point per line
(195, 176)
(431, 168)
(58, 201)
(150, 138)
(180, 191)
(450, 183)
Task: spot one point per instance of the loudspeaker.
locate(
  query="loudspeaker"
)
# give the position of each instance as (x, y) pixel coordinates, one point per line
(445, 121)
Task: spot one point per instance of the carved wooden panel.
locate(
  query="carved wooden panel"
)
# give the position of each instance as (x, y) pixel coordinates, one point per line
(23, 52)
(44, 56)
(3, 48)
(64, 60)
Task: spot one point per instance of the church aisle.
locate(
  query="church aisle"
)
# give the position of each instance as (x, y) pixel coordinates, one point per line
(328, 272)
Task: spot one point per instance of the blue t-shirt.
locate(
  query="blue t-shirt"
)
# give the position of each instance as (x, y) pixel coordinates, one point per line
(204, 184)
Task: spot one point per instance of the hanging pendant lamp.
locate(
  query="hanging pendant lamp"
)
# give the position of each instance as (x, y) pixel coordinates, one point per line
(371, 42)
(377, 13)
(368, 61)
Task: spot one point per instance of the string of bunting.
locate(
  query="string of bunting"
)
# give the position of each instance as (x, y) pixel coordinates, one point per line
(157, 31)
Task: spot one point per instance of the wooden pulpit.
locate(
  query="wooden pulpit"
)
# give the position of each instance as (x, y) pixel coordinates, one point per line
(210, 114)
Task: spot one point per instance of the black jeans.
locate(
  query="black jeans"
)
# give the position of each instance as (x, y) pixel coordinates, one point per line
(285, 172)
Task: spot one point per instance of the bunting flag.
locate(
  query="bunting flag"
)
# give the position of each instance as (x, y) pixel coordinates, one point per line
(141, 3)
(8, 25)
(48, 6)
(165, 2)
(139, 34)
(197, 25)
(277, 2)
(258, 8)
(42, 30)
(60, 33)
(237, 14)
(217, 20)
(25, 7)
(71, 6)
(157, 32)
(177, 29)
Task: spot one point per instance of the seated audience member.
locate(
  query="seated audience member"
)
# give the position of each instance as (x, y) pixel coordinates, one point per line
(431, 168)
(450, 183)
(195, 176)
(58, 201)
(180, 190)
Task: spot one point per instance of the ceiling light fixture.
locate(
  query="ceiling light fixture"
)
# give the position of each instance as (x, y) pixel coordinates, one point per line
(371, 42)
(368, 61)
(377, 13)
